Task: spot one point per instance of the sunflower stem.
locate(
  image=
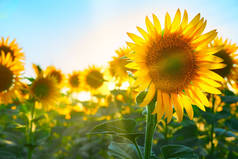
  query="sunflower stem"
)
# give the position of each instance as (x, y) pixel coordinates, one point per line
(150, 129)
(30, 145)
(212, 126)
(138, 149)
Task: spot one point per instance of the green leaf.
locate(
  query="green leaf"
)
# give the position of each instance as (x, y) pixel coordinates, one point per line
(38, 118)
(122, 151)
(232, 124)
(7, 155)
(229, 99)
(7, 142)
(122, 127)
(178, 152)
(41, 136)
(140, 97)
(223, 132)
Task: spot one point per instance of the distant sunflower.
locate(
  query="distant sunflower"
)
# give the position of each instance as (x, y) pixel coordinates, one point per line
(117, 67)
(230, 58)
(55, 73)
(9, 78)
(94, 80)
(175, 64)
(12, 49)
(75, 82)
(23, 92)
(45, 90)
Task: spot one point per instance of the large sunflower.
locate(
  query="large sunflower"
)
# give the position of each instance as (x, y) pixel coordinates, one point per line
(117, 67)
(75, 81)
(175, 64)
(94, 80)
(11, 48)
(230, 58)
(9, 77)
(55, 73)
(45, 90)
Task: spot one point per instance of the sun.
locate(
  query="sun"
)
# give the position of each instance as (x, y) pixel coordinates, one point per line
(10, 78)
(175, 64)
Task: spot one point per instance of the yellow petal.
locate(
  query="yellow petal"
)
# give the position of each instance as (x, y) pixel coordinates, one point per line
(176, 21)
(185, 19)
(143, 33)
(135, 38)
(209, 82)
(208, 88)
(159, 106)
(131, 45)
(167, 23)
(149, 25)
(178, 108)
(195, 100)
(168, 107)
(203, 99)
(149, 96)
(157, 24)
(187, 105)
(205, 38)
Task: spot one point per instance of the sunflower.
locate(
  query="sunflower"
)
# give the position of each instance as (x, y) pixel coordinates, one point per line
(230, 58)
(117, 67)
(9, 77)
(174, 64)
(94, 80)
(75, 81)
(44, 89)
(12, 49)
(55, 73)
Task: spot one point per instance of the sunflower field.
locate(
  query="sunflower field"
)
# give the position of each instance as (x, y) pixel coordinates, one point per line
(171, 92)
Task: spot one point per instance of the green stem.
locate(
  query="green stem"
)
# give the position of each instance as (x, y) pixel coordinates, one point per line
(30, 151)
(150, 129)
(30, 141)
(213, 126)
(138, 149)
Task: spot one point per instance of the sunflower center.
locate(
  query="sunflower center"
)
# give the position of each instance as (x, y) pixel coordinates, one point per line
(74, 81)
(95, 79)
(41, 88)
(7, 50)
(171, 64)
(56, 75)
(6, 78)
(227, 60)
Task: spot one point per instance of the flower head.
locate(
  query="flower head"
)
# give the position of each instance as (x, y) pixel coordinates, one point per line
(175, 64)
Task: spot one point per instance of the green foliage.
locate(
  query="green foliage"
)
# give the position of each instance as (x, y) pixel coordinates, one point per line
(178, 152)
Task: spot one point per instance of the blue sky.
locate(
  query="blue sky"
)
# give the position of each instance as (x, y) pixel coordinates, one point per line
(72, 34)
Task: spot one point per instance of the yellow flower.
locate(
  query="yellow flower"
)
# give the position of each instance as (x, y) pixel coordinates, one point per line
(230, 58)
(9, 77)
(23, 92)
(45, 90)
(94, 80)
(117, 67)
(218, 104)
(74, 81)
(55, 73)
(12, 49)
(175, 64)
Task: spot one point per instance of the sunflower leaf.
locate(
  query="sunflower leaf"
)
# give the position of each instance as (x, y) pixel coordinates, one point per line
(122, 127)
(178, 152)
